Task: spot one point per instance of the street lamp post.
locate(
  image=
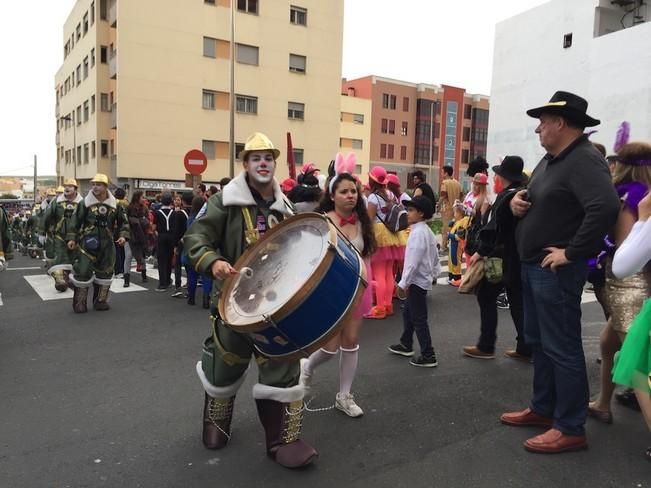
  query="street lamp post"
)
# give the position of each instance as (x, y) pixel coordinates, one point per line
(74, 141)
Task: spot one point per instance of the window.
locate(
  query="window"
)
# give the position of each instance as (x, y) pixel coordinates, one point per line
(296, 110)
(239, 147)
(92, 15)
(357, 143)
(403, 130)
(211, 2)
(78, 72)
(210, 47)
(112, 147)
(405, 104)
(86, 111)
(104, 149)
(390, 151)
(103, 54)
(78, 158)
(208, 148)
(358, 118)
(86, 153)
(383, 151)
(248, 6)
(85, 67)
(247, 54)
(385, 123)
(392, 126)
(72, 41)
(297, 15)
(403, 153)
(297, 63)
(92, 150)
(567, 40)
(385, 100)
(104, 102)
(103, 11)
(79, 115)
(78, 31)
(86, 23)
(92, 58)
(92, 104)
(466, 133)
(298, 156)
(464, 156)
(467, 111)
(244, 104)
(208, 100)
(392, 103)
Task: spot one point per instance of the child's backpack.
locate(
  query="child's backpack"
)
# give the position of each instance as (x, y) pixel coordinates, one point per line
(396, 219)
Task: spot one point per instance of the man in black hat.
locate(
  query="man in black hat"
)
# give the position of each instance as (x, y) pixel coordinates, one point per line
(497, 239)
(568, 208)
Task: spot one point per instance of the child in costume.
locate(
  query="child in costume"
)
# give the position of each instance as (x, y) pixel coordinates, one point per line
(344, 205)
(456, 241)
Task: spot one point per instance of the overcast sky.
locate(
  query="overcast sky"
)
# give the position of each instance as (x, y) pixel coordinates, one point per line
(425, 41)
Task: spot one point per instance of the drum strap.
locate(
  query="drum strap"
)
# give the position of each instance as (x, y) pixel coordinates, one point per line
(251, 234)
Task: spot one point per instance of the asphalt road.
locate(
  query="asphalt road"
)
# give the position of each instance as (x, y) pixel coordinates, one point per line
(111, 400)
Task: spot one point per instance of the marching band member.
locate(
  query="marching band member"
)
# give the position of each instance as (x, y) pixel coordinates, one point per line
(229, 222)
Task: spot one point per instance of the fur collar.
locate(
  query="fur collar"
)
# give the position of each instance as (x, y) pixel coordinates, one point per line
(237, 193)
(62, 198)
(90, 200)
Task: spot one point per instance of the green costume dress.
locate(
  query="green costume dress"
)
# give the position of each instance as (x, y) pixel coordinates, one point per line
(57, 222)
(93, 226)
(221, 233)
(6, 244)
(633, 365)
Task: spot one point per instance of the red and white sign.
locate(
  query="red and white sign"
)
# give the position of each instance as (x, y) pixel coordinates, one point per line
(195, 162)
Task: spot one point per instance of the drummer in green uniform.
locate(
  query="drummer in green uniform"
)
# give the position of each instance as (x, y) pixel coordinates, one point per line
(92, 227)
(228, 223)
(6, 245)
(57, 222)
(34, 247)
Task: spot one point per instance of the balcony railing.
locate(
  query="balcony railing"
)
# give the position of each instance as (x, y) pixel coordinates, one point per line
(113, 66)
(114, 116)
(113, 14)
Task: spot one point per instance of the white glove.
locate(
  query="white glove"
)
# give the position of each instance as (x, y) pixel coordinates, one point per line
(3, 263)
(41, 240)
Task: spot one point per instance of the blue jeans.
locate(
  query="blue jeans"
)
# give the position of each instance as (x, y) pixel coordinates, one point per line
(552, 327)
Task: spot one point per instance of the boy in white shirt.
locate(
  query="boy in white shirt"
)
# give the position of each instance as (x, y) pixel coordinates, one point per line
(420, 270)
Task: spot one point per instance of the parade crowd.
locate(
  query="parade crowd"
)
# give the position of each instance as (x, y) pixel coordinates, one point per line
(518, 240)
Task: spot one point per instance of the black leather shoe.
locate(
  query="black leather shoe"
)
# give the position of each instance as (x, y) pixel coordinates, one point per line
(628, 399)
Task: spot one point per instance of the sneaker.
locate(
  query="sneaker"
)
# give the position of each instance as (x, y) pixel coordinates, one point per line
(424, 362)
(161, 288)
(474, 352)
(178, 293)
(346, 403)
(455, 283)
(502, 301)
(401, 350)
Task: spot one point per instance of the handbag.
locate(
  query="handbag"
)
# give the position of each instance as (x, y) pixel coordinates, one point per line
(493, 270)
(472, 277)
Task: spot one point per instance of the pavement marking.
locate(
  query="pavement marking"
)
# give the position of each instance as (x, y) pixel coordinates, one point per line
(43, 285)
(25, 269)
(153, 273)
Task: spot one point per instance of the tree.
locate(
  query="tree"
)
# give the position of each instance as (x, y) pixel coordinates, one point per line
(8, 196)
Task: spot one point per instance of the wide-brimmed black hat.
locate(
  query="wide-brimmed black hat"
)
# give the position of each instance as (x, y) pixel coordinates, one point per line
(423, 204)
(511, 169)
(568, 105)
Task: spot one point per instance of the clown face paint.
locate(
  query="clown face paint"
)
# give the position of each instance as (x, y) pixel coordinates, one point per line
(260, 167)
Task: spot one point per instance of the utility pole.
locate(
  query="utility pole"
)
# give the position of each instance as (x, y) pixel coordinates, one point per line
(35, 176)
(231, 137)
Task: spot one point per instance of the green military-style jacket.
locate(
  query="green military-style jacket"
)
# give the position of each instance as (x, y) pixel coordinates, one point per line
(57, 216)
(218, 232)
(105, 219)
(6, 244)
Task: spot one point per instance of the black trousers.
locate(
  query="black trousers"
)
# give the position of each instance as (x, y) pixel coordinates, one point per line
(177, 265)
(164, 253)
(486, 296)
(414, 318)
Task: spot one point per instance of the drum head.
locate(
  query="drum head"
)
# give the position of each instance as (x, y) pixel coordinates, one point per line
(284, 266)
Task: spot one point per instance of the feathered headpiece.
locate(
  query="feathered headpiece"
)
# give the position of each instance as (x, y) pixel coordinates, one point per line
(339, 166)
(623, 134)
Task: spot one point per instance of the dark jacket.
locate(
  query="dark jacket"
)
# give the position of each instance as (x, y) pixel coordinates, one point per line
(497, 236)
(573, 205)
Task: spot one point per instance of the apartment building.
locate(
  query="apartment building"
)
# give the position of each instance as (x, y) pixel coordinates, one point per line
(144, 82)
(421, 126)
(355, 131)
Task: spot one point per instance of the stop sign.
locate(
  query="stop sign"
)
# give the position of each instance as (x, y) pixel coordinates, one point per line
(195, 162)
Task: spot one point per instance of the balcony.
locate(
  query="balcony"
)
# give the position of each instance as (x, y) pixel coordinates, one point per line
(57, 110)
(114, 116)
(113, 14)
(113, 65)
(57, 139)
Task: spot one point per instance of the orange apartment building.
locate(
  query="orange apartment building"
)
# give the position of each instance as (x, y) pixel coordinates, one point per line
(417, 126)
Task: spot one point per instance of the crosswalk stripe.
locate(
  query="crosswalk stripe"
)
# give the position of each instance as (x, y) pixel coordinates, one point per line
(43, 285)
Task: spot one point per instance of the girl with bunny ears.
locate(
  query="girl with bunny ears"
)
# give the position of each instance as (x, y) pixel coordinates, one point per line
(344, 204)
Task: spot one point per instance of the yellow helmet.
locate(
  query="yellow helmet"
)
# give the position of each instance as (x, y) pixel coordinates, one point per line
(100, 178)
(258, 142)
(59, 189)
(71, 182)
(51, 193)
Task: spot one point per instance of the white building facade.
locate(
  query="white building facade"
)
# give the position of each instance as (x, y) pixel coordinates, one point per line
(598, 49)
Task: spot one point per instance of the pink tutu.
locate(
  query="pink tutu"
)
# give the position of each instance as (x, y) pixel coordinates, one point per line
(389, 253)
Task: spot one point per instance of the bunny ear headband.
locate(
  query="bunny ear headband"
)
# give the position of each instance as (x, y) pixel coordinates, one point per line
(340, 166)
